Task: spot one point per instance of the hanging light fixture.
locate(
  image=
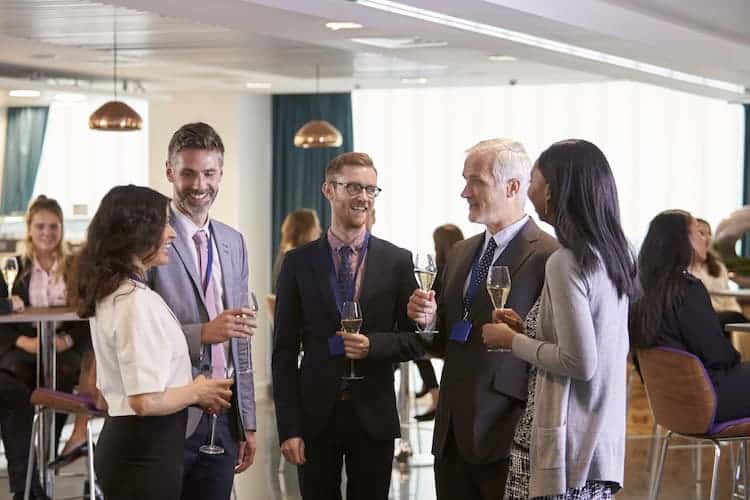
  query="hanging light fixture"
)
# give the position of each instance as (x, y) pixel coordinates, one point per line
(318, 133)
(115, 115)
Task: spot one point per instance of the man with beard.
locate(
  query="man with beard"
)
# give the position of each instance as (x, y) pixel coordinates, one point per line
(205, 284)
(482, 393)
(321, 417)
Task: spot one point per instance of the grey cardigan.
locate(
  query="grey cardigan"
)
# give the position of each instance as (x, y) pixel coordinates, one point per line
(578, 432)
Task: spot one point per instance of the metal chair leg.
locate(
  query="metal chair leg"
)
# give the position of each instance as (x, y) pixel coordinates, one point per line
(715, 474)
(90, 458)
(654, 493)
(32, 454)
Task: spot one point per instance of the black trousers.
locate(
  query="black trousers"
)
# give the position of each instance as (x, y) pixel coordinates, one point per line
(16, 415)
(141, 457)
(733, 391)
(427, 372)
(368, 461)
(457, 479)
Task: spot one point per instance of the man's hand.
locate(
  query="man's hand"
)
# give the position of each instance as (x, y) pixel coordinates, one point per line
(246, 453)
(422, 308)
(293, 450)
(16, 303)
(356, 345)
(28, 344)
(239, 322)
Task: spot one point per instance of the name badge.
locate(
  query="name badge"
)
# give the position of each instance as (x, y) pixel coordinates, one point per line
(460, 331)
(335, 345)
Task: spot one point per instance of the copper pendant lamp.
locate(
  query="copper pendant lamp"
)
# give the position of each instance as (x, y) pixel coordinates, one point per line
(115, 116)
(318, 133)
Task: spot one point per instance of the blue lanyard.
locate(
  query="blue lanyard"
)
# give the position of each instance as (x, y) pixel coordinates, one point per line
(210, 261)
(333, 279)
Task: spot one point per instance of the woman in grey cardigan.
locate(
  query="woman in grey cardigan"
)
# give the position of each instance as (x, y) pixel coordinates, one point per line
(570, 444)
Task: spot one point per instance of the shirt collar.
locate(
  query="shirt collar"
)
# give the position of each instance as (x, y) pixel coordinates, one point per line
(37, 267)
(336, 243)
(504, 236)
(187, 225)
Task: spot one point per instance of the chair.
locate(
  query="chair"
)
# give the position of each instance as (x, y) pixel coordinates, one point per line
(683, 401)
(62, 402)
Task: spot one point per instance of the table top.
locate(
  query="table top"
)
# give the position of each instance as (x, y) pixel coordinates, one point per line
(737, 327)
(34, 314)
(741, 293)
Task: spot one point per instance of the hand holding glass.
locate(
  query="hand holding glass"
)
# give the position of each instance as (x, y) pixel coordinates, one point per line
(498, 287)
(10, 271)
(211, 448)
(425, 272)
(351, 322)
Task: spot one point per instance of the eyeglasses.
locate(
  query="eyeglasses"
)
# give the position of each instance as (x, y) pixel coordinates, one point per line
(355, 188)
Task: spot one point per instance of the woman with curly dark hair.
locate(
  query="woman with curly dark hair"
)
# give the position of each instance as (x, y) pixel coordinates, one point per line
(142, 360)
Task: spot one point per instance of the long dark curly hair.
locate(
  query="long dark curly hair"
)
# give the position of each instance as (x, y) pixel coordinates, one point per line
(127, 226)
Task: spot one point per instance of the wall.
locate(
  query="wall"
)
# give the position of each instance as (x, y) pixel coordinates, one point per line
(244, 200)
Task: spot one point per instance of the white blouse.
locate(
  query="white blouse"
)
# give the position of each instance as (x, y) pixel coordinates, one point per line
(139, 345)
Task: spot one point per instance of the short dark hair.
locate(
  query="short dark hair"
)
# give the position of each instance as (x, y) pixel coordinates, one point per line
(196, 135)
(352, 159)
(129, 223)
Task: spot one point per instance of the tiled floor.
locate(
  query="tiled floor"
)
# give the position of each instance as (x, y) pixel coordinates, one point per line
(264, 482)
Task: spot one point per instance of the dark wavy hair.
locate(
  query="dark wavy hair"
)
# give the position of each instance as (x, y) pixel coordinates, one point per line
(586, 210)
(128, 225)
(665, 255)
(712, 260)
(445, 237)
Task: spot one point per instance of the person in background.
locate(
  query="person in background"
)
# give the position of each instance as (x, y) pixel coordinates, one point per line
(300, 226)
(142, 357)
(675, 310)
(444, 237)
(707, 267)
(42, 282)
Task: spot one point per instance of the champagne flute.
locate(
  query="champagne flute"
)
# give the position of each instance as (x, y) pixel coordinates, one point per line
(212, 448)
(425, 272)
(245, 341)
(351, 322)
(10, 271)
(498, 287)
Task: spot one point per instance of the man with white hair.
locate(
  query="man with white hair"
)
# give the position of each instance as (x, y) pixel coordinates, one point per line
(483, 393)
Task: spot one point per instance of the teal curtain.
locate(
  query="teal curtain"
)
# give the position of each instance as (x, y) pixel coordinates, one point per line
(298, 173)
(23, 150)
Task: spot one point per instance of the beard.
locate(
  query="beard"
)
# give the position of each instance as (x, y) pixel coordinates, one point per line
(189, 205)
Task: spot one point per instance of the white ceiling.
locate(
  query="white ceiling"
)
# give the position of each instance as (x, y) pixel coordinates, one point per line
(219, 45)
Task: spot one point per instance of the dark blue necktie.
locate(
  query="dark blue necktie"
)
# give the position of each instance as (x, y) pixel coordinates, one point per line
(479, 274)
(345, 277)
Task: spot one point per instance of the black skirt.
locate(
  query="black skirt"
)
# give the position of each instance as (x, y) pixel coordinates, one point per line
(141, 457)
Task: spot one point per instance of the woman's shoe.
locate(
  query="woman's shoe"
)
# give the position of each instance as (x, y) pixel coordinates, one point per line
(426, 416)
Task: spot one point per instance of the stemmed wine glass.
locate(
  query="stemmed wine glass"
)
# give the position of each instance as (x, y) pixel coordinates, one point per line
(425, 272)
(246, 340)
(10, 271)
(498, 286)
(212, 448)
(351, 322)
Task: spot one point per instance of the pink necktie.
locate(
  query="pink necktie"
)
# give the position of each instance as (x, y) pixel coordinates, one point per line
(218, 362)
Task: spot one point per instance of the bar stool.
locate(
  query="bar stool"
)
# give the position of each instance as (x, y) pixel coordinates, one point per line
(683, 401)
(62, 402)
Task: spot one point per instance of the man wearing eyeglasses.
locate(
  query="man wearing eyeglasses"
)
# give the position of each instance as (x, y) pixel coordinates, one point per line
(321, 417)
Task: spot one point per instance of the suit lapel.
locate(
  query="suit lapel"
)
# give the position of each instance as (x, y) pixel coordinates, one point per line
(519, 249)
(225, 261)
(321, 263)
(463, 268)
(180, 246)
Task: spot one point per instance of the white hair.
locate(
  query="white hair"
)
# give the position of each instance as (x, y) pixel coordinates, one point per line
(510, 162)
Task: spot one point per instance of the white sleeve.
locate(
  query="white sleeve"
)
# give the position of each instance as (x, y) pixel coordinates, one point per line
(143, 350)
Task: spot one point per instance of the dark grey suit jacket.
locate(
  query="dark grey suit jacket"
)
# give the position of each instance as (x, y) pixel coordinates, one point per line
(482, 394)
(178, 284)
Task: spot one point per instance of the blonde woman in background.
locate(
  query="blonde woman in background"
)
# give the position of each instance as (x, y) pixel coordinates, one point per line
(299, 227)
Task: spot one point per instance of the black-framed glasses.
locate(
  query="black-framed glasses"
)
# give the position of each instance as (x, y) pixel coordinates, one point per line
(355, 188)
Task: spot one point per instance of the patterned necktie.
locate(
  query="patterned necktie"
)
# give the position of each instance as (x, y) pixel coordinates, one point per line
(479, 276)
(218, 361)
(345, 277)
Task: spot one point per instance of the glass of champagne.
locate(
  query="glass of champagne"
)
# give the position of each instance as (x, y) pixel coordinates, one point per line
(245, 341)
(10, 271)
(425, 272)
(212, 448)
(498, 286)
(351, 322)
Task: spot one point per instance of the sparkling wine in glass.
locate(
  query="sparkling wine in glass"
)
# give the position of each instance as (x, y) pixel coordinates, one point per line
(425, 272)
(498, 287)
(10, 271)
(245, 341)
(212, 448)
(351, 322)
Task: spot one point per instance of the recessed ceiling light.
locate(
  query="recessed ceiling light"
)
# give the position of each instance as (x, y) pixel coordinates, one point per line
(257, 85)
(464, 24)
(502, 58)
(411, 42)
(24, 93)
(69, 97)
(343, 25)
(414, 81)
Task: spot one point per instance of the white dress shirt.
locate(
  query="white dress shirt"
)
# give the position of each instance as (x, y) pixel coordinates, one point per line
(139, 346)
